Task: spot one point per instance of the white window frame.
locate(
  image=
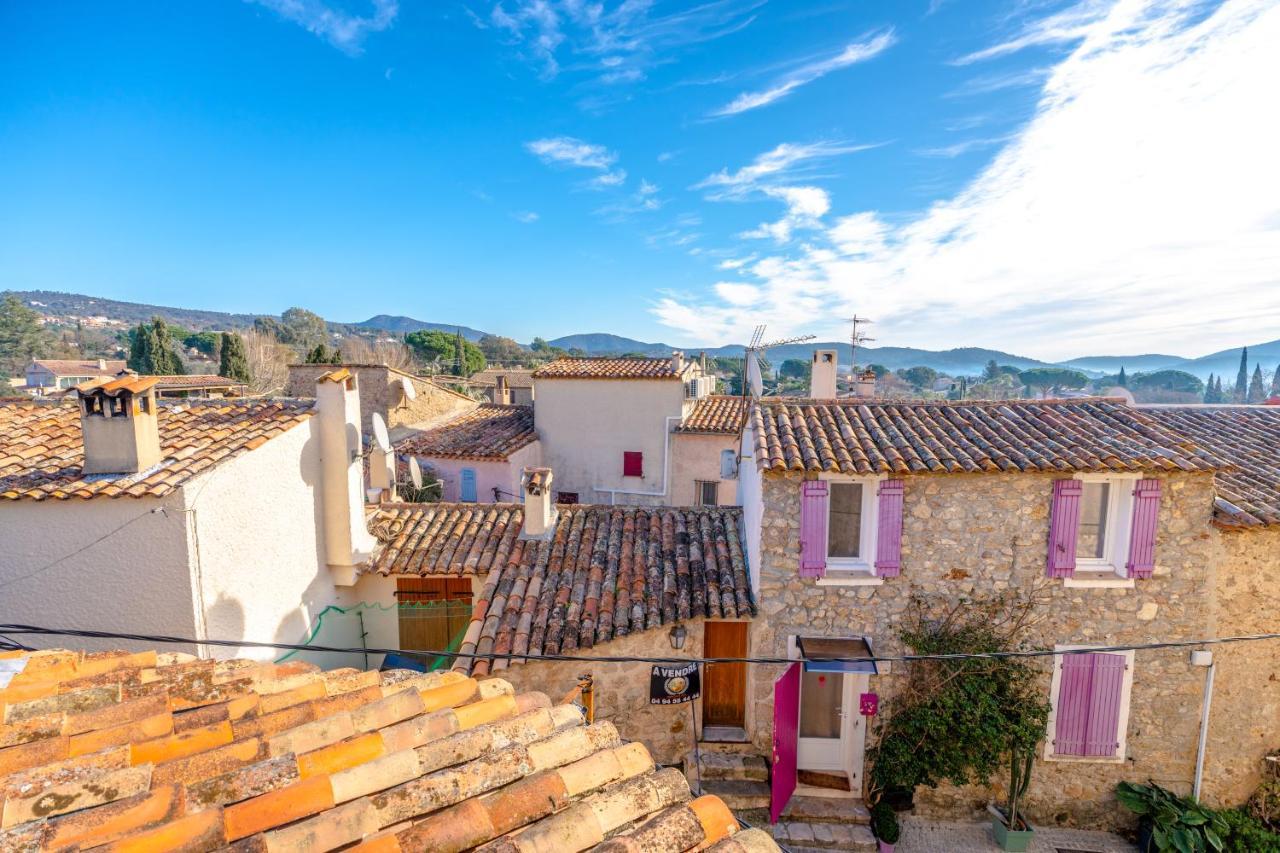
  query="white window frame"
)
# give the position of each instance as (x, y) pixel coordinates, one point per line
(864, 565)
(1111, 568)
(698, 496)
(1122, 722)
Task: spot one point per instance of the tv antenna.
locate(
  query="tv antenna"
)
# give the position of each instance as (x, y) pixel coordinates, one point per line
(855, 338)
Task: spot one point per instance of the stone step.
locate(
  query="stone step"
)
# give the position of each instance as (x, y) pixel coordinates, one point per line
(738, 794)
(827, 810)
(800, 836)
(727, 765)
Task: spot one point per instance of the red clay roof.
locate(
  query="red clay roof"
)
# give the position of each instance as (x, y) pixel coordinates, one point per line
(194, 380)
(80, 367)
(869, 437)
(608, 571)
(608, 368)
(152, 751)
(1249, 438)
(42, 449)
(489, 432)
(718, 413)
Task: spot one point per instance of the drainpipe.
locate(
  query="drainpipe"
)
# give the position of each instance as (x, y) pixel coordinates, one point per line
(666, 453)
(1203, 658)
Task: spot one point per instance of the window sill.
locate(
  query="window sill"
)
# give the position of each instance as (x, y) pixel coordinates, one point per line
(1085, 759)
(1103, 581)
(850, 579)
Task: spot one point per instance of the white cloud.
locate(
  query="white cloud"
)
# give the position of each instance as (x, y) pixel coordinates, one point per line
(853, 53)
(957, 149)
(1071, 24)
(737, 293)
(567, 151)
(1139, 206)
(616, 178)
(528, 217)
(785, 161)
(339, 28)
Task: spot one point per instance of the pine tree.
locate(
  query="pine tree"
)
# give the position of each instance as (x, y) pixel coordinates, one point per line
(459, 355)
(234, 361)
(140, 347)
(1208, 390)
(1275, 382)
(1257, 391)
(321, 354)
(1240, 394)
(22, 338)
(1122, 380)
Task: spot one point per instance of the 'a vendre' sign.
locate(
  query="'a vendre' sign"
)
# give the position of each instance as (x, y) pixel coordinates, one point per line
(674, 685)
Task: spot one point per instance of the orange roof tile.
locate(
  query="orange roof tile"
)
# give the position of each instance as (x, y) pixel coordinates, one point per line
(718, 413)
(491, 431)
(80, 367)
(608, 368)
(395, 760)
(42, 450)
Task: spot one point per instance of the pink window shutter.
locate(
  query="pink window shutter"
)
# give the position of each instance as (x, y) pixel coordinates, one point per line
(1088, 713)
(1102, 736)
(889, 529)
(1142, 534)
(813, 528)
(1072, 720)
(1064, 522)
(786, 729)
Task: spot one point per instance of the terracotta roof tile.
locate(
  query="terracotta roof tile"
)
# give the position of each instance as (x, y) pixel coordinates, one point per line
(41, 449)
(489, 432)
(608, 368)
(436, 761)
(1247, 437)
(869, 437)
(608, 571)
(193, 380)
(80, 367)
(717, 413)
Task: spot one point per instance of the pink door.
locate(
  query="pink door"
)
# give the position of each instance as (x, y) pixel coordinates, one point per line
(786, 726)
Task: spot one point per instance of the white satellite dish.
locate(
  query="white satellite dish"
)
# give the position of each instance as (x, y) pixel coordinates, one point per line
(380, 437)
(415, 472)
(407, 388)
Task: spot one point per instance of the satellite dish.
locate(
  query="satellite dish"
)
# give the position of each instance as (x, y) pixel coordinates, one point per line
(415, 472)
(380, 437)
(407, 388)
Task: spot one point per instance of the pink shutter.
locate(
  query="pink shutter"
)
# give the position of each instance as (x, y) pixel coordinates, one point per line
(813, 528)
(1088, 713)
(889, 533)
(786, 729)
(1064, 523)
(1142, 533)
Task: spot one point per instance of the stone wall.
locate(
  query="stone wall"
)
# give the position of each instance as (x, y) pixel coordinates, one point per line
(380, 391)
(967, 534)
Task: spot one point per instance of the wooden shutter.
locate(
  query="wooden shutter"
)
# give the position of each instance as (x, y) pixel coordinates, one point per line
(786, 728)
(813, 528)
(1142, 532)
(632, 463)
(889, 529)
(1088, 713)
(468, 489)
(1064, 523)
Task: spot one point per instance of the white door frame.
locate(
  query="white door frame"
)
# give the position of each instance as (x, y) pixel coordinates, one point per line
(847, 757)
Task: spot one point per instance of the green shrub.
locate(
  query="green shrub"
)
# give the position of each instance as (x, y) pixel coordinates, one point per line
(1264, 804)
(1247, 834)
(884, 823)
(1178, 824)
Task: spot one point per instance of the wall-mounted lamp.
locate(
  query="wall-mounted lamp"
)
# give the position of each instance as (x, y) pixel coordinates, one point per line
(677, 636)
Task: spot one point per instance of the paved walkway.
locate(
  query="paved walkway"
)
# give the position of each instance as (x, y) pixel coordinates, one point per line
(929, 836)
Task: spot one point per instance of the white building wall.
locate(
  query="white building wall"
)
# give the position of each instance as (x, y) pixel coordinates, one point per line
(696, 456)
(585, 425)
(751, 497)
(505, 474)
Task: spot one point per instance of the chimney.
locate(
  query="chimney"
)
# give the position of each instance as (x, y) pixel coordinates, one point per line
(382, 476)
(677, 361)
(347, 541)
(102, 364)
(864, 384)
(501, 393)
(118, 424)
(822, 378)
(540, 514)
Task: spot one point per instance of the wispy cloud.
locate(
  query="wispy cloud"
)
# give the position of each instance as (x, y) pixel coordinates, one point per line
(342, 29)
(786, 162)
(853, 53)
(568, 151)
(1088, 227)
(528, 217)
(1069, 25)
(957, 149)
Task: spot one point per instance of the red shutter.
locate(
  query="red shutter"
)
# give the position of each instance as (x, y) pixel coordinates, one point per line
(1142, 533)
(1088, 713)
(786, 729)
(889, 529)
(632, 463)
(813, 528)
(1064, 523)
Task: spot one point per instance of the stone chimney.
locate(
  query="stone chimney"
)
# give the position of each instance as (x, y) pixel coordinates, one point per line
(118, 424)
(347, 541)
(864, 384)
(540, 513)
(501, 393)
(822, 378)
(677, 361)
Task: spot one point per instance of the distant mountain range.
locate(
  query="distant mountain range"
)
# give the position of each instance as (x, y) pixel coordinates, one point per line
(964, 360)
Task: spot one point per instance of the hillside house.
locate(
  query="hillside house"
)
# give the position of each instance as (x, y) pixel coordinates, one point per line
(704, 452)
(1142, 525)
(477, 456)
(505, 386)
(198, 385)
(55, 374)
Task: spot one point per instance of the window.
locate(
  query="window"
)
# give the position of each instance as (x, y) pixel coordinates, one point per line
(632, 463)
(1089, 706)
(705, 492)
(851, 510)
(1092, 535)
(1102, 537)
(566, 497)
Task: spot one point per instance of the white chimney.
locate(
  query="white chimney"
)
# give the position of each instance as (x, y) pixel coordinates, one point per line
(347, 541)
(102, 364)
(864, 384)
(540, 513)
(382, 475)
(677, 361)
(118, 424)
(822, 378)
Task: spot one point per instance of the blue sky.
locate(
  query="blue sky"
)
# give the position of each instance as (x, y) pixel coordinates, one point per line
(1050, 178)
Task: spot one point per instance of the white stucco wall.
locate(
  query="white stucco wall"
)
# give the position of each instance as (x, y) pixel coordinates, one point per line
(696, 456)
(751, 497)
(260, 571)
(586, 424)
(504, 474)
(108, 564)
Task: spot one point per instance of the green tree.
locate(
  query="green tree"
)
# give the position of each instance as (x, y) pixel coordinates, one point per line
(1167, 380)
(1275, 382)
(1219, 393)
(440, 348)
(919, 376)
(233, 361)
(794, 368)
(1122, 380)
(1257, 390)
(990, 370)
(878, 369)
(164, 357)
(321, 354)
(1210, 391)
(1240, 393)
(496, 348)
(459, 355)
(1046, 379)
(141, 342)
(302, 329)
(205, 342)
(22, 338)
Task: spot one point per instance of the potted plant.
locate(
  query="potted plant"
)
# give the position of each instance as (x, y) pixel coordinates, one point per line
(884, 826)
(1169, 822)
(1011, 829)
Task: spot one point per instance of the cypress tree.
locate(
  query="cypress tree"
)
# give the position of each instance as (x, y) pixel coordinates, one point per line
(140, 350)
(1219, 393)
(1257, 392)
(234, 362)
(1240, 393)
(459, 355)
(1208, 390)
(1122, 380)
(164, 359)
(1275, 382)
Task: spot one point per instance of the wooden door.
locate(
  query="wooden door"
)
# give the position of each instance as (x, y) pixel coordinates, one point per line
(724, 693)
(432, 611)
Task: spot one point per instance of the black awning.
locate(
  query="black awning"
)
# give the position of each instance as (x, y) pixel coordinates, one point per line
(837, 654)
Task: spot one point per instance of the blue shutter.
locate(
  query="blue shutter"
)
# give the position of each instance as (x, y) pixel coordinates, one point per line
(469, 485)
